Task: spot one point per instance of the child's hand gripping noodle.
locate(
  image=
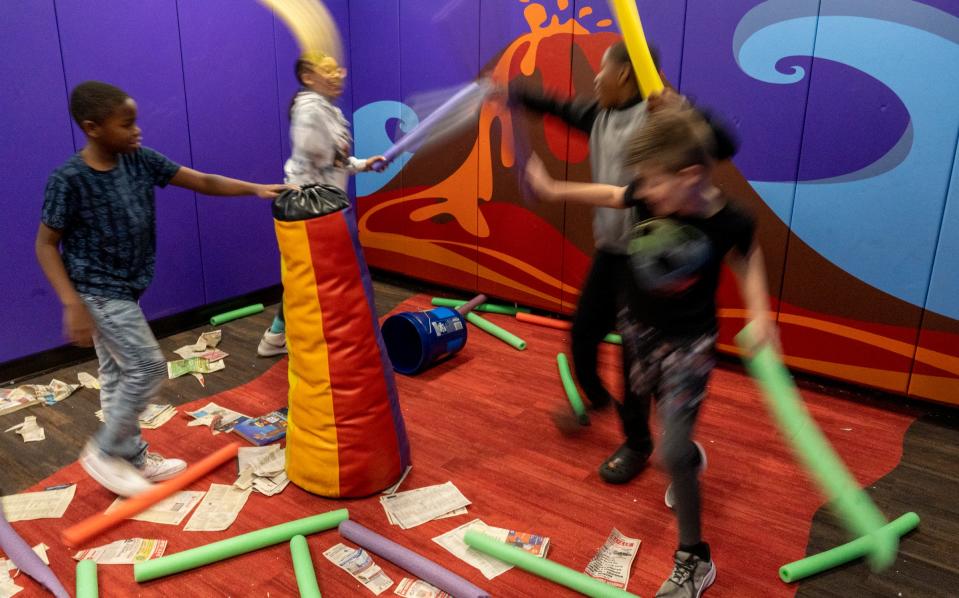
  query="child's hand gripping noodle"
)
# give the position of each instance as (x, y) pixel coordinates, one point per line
(851, 504)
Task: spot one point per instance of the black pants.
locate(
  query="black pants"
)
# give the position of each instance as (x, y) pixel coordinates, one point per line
(675, 372)
(602, 297)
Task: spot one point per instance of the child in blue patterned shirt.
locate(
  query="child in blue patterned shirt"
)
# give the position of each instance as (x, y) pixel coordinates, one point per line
(97, 247)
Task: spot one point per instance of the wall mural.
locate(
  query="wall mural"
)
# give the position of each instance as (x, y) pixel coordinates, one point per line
(849, 128)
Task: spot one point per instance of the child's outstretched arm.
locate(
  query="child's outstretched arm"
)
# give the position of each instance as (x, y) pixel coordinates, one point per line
(579, 114)
(550, 190)
(354, 165)
(214, 184)
(77, 322)
(750, 271)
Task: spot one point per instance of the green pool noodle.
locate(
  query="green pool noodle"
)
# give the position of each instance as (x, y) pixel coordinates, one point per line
(613, 338)
(236, 314)
(840, 555)
(850, 503)
(303, 567)
(571, 391)
(486, 326)
(87, 586)
(506, 310)
(491, 308)
(542, 567)
(224, 549)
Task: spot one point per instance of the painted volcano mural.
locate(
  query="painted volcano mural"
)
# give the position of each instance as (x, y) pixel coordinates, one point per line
(848, 160)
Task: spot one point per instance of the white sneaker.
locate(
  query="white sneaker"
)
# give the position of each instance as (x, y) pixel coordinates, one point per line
(670, 499)
(156, 468)
(272, 344)
(116, 475)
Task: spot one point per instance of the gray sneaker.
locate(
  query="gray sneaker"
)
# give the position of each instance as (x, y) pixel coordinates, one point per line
(670, 498)
(691, 576)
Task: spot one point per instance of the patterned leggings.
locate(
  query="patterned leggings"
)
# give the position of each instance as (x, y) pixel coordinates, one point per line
(674, 371)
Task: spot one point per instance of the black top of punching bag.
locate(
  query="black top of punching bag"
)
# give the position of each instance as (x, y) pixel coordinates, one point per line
(309, 201)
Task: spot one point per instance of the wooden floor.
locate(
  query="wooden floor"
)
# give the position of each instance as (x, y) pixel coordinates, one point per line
(71, 423)
(925, 481)
(515, 451)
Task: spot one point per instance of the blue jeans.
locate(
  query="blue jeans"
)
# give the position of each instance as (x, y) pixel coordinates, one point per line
(132, 368)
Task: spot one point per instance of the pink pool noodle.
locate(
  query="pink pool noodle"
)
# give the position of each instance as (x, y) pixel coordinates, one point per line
(471, 304)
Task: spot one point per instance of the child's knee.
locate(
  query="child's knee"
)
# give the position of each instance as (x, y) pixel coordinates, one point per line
(679, 457)
(151, 370)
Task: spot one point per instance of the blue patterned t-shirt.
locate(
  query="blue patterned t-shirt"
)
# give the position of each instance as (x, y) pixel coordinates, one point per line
(108, 221)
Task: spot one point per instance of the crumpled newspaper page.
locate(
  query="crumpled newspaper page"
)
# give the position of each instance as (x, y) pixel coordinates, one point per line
(219, 509)
(48, 504)
(123, 552)
(29, 429)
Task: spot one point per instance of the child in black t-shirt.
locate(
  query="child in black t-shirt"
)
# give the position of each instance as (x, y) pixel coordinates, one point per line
(683, 230)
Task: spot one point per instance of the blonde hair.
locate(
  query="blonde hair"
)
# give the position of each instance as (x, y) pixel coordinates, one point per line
(673, 137)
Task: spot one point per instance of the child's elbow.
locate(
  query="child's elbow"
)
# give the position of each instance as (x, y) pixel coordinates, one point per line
(46, 237)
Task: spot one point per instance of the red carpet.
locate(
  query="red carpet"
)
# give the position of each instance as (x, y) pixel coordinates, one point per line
(496, 422)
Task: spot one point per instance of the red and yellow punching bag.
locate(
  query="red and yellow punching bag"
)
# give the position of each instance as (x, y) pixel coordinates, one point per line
(345, 435)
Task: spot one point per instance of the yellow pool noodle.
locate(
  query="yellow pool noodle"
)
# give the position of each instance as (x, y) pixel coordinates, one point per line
(627, 16)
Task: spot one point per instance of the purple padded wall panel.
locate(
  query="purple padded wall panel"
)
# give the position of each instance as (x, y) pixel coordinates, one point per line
(374, 76)
(439, 50)
(664, 25)
(375, 73)
(899, 103)
(712, 77)
(501, 24)
(144, 40)
(341, 12)
(36, 128)
(229, 67)
(286, 54)
(439, 45)
(766, 117)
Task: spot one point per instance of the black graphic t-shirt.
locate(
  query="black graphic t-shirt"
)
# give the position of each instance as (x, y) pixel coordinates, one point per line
(676, 262)
(108, 221)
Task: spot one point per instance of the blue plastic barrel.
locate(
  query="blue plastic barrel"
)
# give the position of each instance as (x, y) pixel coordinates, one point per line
(415, 340)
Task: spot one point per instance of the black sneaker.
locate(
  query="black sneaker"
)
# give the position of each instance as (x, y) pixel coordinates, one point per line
(623, 465)
(691, 576)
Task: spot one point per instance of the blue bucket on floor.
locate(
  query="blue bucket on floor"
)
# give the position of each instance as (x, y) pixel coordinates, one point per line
(415, 340)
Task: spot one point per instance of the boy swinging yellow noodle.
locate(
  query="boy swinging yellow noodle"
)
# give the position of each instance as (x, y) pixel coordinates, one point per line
(627, 16)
